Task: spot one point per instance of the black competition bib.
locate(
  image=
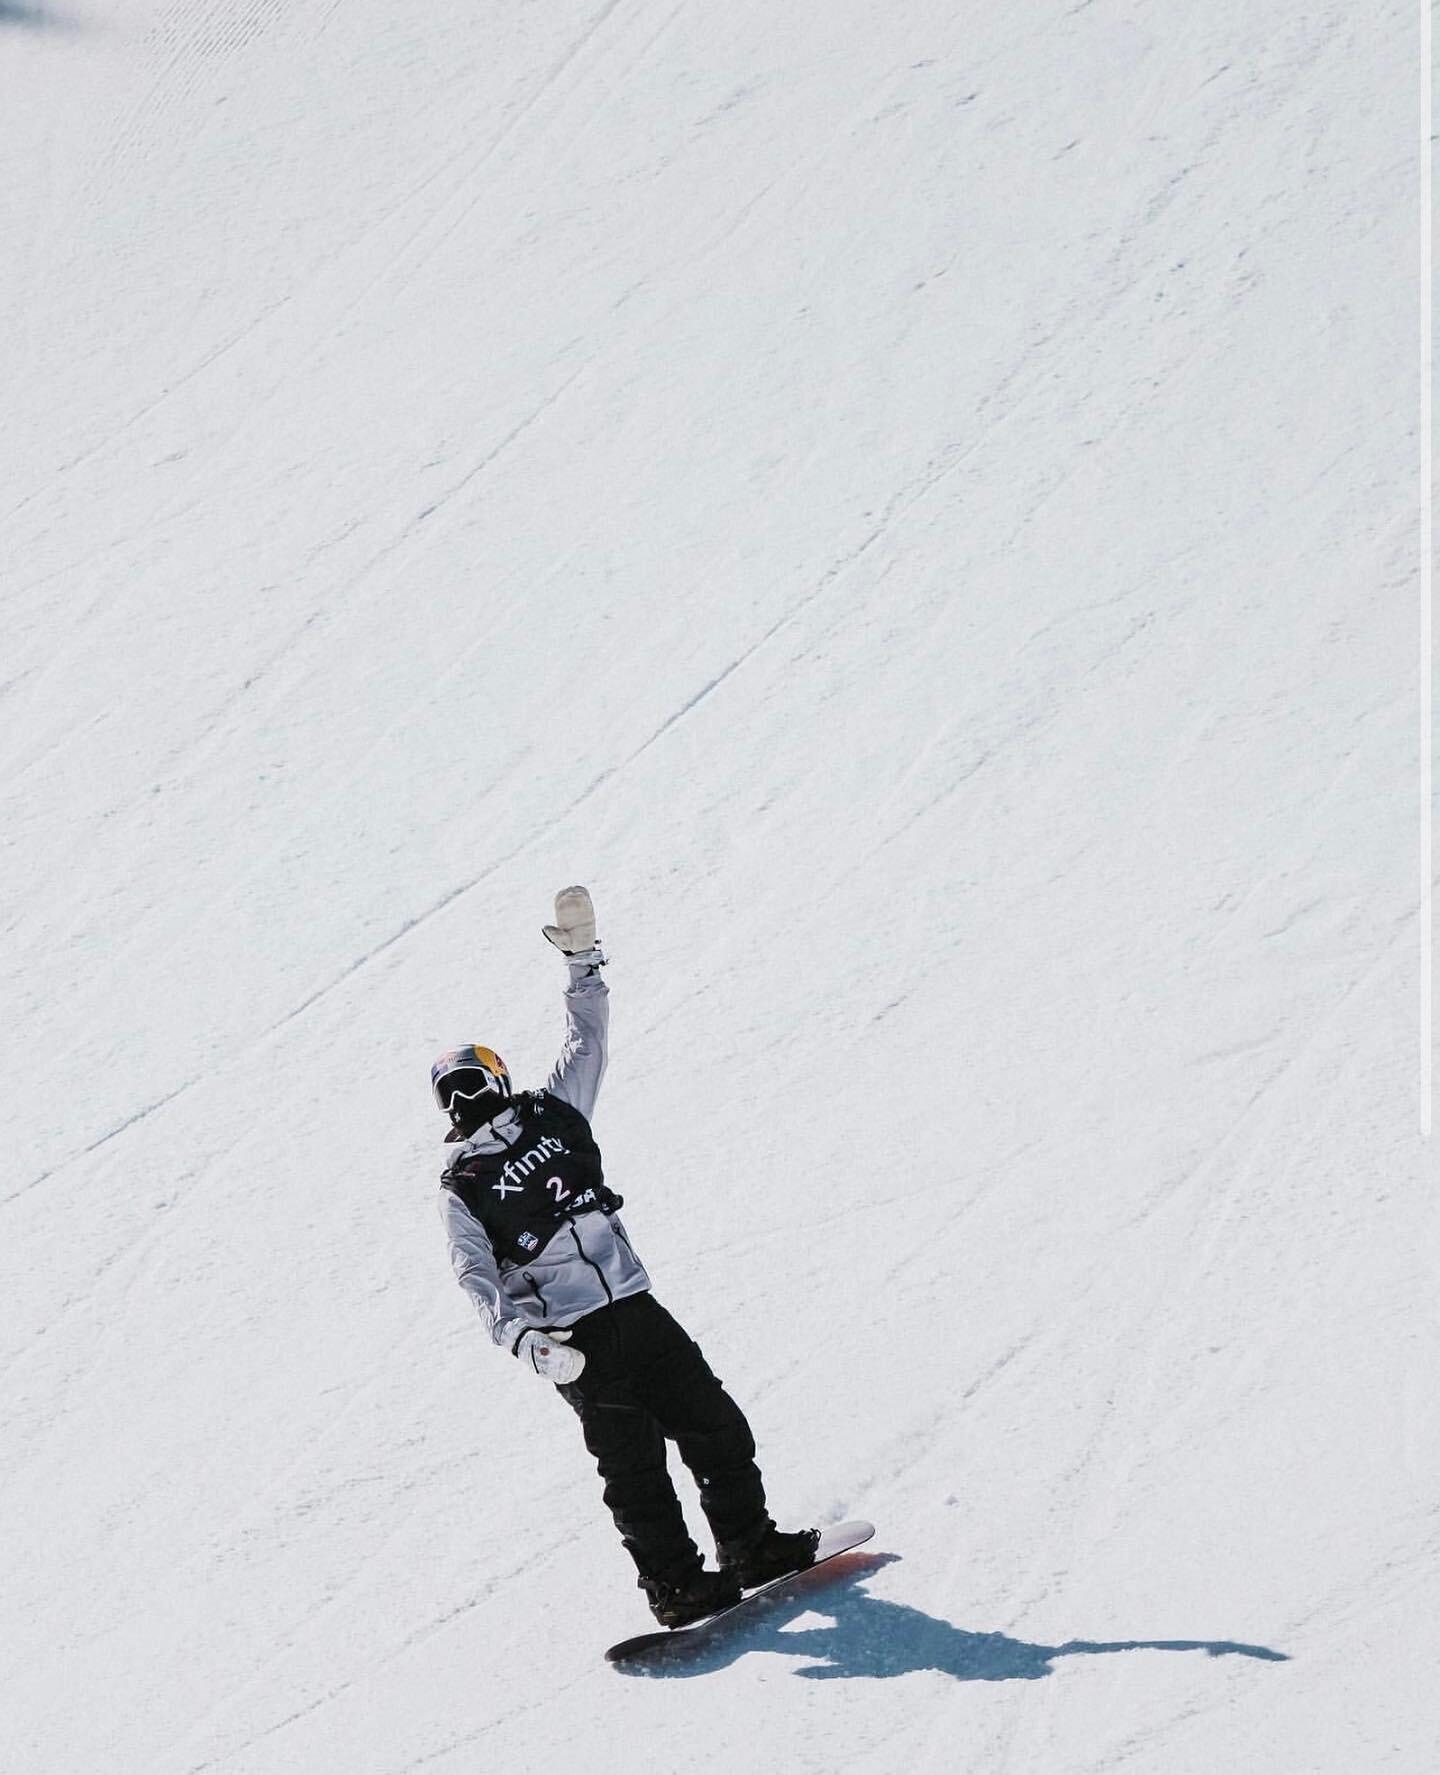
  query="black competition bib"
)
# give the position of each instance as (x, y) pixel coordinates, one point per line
(528, 1172)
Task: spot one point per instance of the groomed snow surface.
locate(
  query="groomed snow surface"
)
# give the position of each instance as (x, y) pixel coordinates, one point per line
(916, 505)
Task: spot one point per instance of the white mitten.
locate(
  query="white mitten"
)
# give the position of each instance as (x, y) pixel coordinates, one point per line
(573, 932)
(545, 1352)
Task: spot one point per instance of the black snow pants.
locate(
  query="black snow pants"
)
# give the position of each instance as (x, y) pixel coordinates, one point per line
(644, 1381)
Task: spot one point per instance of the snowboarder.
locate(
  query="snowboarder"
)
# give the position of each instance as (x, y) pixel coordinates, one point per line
(537, 1243)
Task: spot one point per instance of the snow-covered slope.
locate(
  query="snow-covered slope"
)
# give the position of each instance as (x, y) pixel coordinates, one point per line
(915, 505)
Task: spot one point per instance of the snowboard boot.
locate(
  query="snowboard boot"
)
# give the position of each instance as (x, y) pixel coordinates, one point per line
(769, 1554)
(691, 1598)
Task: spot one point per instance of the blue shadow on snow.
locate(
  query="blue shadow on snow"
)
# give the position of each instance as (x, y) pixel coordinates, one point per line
(35, 18)
(870, 1637)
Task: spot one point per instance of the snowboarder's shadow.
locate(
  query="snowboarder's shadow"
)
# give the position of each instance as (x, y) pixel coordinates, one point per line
(871, 1637)
(35, 17)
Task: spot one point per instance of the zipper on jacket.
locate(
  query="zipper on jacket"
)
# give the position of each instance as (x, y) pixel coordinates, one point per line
(539, 1291)
(609, 1297)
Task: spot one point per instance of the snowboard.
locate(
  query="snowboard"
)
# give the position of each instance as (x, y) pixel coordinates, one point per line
(672, 1641)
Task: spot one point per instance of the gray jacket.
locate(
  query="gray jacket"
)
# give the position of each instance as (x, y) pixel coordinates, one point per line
(591, 1261)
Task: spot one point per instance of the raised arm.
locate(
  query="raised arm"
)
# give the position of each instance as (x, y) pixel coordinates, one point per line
(576, 1075)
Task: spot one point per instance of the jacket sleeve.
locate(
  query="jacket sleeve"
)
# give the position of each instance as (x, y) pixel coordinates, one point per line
(473, 1259)
(576, 1076)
